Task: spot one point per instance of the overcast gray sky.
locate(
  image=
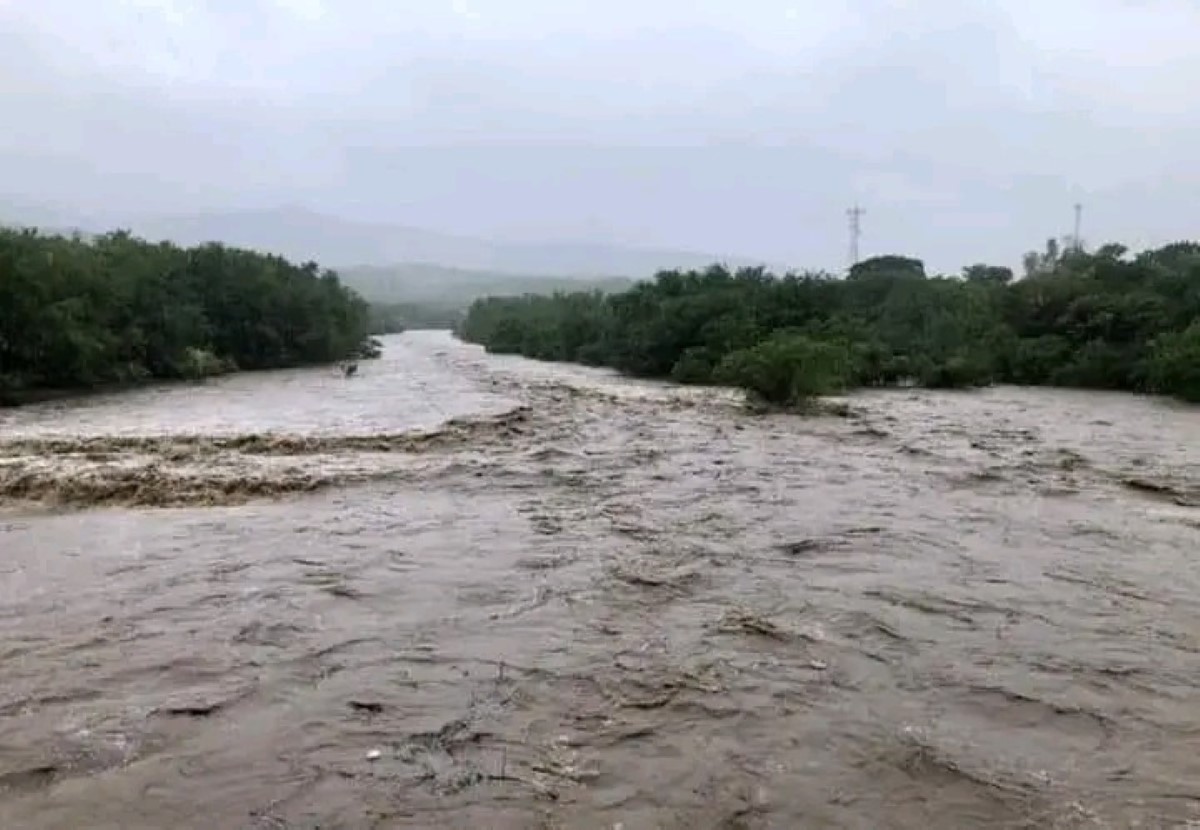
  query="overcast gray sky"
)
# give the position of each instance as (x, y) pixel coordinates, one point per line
(965, 128)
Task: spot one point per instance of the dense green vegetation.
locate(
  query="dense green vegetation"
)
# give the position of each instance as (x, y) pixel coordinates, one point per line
(114, 309)
(1102, 320)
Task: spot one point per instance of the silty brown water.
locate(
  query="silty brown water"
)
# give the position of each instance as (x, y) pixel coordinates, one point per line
(588, 602)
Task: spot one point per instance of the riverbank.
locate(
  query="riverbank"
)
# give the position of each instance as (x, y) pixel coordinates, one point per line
(14, 398)
(1102, 321)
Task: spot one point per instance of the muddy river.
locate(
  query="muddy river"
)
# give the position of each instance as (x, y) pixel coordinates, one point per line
(462, 591)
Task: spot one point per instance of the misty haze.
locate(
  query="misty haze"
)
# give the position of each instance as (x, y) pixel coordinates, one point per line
(575, 414)
(968, 130)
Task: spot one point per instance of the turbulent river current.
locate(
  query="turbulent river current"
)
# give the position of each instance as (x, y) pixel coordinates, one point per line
(464, 591)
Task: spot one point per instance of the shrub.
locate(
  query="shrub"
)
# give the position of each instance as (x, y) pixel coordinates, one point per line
(1174, 364)
(787, 370)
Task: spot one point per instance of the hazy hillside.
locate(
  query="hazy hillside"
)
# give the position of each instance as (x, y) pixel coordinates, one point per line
(434, 284)
(388, 263)
(302, 234)
(19, 212)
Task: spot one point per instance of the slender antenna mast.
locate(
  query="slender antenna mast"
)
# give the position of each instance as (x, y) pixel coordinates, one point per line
(855, 216)
(1078, 240)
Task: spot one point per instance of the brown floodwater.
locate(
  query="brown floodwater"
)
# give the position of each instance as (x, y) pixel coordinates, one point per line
(466, 591)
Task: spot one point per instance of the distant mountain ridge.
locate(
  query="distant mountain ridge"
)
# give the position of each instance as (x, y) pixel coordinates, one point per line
(298, 233)
(390, 263)
(414, 282)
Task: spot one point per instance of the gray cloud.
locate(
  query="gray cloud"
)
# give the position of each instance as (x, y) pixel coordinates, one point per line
(967, 129)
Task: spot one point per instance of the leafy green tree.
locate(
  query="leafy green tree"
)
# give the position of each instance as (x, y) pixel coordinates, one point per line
(888, 266)
(988, 274)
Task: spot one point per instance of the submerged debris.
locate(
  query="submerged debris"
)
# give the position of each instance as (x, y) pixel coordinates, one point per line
(368, 706)
(1177, 494)
(806, 547)
(744, 621)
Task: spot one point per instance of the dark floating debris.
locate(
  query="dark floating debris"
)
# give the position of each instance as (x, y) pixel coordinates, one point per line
(368, 706)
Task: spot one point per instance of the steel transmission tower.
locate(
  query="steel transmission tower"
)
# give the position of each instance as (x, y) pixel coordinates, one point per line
(855, 214)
